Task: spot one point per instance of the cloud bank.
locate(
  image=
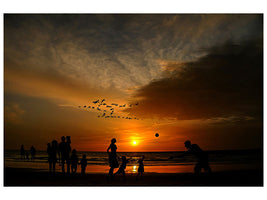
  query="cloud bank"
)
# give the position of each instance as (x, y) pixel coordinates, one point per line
(227, 82)
(115, 51)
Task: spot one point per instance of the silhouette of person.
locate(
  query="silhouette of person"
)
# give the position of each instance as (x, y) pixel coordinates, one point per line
(83, 164)
(49, 153)
(33, 152)
(63, 148)
(22, 152)
(52, 155)
(59, 156)
(122, 168)
(74, 161)
(113, 162)
(140, 167)
(202, 157)
(68, 151)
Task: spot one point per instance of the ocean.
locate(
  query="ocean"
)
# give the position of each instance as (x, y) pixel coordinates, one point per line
(155, 162)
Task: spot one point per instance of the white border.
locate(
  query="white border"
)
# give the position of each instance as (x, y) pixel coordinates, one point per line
(124, 6)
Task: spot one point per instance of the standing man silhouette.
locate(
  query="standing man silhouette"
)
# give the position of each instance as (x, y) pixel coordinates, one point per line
(63, 153)
(22, 152)
(68, 151)
(33, 152)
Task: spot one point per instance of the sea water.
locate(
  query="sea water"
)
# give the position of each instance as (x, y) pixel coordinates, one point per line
(155, 162)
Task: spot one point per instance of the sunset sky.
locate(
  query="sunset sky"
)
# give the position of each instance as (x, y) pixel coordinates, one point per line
(194, 77)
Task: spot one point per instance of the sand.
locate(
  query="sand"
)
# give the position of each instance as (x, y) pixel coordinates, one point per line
(31, 177)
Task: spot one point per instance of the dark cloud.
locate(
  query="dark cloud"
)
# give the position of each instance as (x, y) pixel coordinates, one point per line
(227, 82)
(115, 50)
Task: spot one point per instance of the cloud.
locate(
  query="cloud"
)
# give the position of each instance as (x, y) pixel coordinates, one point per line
(121, 51)
(226, 82)
(14, 113)
(55, 88)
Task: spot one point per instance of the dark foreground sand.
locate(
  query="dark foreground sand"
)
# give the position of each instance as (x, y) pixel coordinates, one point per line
(30, 177)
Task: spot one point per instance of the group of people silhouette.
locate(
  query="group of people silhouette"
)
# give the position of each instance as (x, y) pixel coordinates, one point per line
(194, 149)
(113, 162)
(25, 155)
(63, 150)
(63, 154)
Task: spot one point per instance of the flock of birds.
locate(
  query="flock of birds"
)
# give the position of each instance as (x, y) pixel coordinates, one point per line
(107, 111)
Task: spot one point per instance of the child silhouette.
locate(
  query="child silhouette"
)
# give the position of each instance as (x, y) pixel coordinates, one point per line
(83, 164)
(141, 167)
(74, 161)
(122, 168)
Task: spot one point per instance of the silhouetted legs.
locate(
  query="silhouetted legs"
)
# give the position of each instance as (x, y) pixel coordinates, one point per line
(50, 167)
(200, 165)
(121, 171)
(83, 170)
(54, 167)
(110, 173)
(68, 165)
(73, 169)
(197, 168)
(207, 169)
(63, 165)
(59, 158)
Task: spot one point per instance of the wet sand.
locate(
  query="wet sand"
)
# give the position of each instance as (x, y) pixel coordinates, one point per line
(31, 177)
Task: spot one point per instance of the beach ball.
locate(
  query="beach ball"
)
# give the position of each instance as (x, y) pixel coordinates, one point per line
(157, 135)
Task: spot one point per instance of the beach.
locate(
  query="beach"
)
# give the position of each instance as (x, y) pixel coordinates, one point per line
(32, 177)
(229, 168)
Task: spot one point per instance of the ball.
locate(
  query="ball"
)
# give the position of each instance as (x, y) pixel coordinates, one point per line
(157, 135)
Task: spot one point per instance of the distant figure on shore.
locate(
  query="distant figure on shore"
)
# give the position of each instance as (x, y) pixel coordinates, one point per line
(52, 155)
(59, 156)
(113, 162)
(64, 148)
(141, 167)
(83, 164)
(74, 161)
(33, 152)
(68, 153)
(63, 152)
(22, 152)
(122, 168)
(202, 157)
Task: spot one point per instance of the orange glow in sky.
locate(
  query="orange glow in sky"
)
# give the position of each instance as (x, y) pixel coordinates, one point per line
(155, 74)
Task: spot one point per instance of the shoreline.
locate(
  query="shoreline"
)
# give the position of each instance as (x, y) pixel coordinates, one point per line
(32, 177)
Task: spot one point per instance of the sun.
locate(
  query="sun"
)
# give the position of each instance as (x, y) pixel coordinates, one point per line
(134, 143)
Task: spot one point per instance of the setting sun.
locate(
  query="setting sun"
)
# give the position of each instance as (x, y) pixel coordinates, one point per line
(134, 143)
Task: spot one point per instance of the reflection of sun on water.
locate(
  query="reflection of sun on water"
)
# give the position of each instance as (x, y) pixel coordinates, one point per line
(134, 169)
